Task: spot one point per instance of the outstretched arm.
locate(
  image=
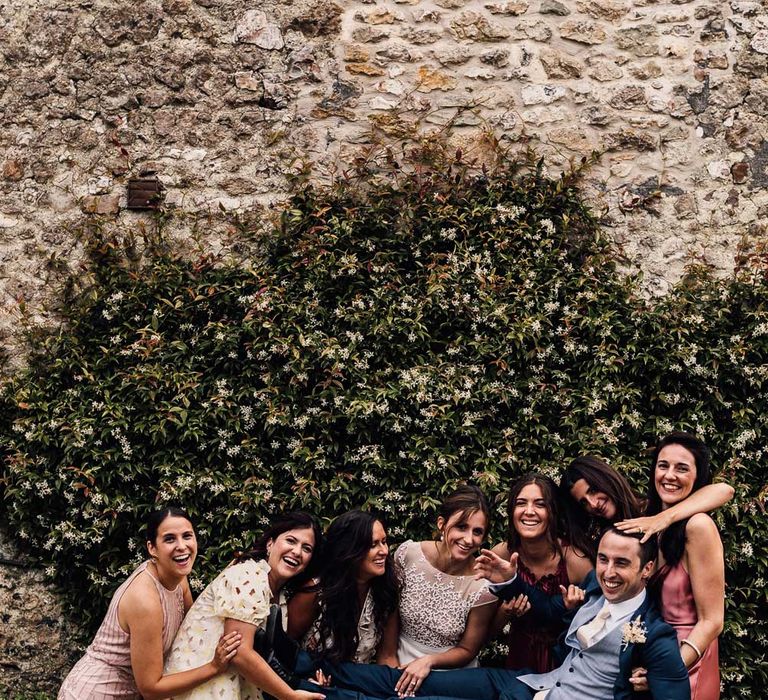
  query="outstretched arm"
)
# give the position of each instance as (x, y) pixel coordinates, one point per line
(705, 500)
(547, 609)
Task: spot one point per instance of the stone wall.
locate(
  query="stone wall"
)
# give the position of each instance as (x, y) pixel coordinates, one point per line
(37, 643)
(218, 97)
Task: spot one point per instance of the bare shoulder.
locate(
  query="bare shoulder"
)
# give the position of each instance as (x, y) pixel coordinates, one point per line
(701, 528)
(140, 598)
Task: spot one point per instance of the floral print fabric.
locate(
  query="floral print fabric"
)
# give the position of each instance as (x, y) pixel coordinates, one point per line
(240, 592)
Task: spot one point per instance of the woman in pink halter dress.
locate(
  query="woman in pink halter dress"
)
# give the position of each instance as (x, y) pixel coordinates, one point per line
(150, 606)
(691, 577)
(679, 610)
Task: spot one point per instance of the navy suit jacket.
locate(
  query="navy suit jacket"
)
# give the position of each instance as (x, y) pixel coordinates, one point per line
(660, 653)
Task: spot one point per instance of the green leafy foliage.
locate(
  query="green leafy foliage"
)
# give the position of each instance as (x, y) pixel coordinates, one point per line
(394, 339)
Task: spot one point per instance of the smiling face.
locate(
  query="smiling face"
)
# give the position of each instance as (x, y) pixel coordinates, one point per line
(674, 475)
(289, 554)
(175, 546)
(597, 503)
(463, 533)
(530, 516)
(619, 571)
(375, 561)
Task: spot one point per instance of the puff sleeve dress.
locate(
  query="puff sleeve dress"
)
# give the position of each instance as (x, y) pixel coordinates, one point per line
(240, 592)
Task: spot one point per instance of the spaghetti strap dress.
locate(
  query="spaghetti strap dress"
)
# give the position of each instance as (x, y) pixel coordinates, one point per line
(104, 672)
(679, 610)
(530, 642)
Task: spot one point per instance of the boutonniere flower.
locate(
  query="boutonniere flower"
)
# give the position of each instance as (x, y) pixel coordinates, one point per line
(633, 632)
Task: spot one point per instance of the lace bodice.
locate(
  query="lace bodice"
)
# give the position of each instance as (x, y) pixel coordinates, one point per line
(434, 606)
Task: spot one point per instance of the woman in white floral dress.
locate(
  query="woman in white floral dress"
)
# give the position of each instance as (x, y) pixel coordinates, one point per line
(444, 612)
(238, 600)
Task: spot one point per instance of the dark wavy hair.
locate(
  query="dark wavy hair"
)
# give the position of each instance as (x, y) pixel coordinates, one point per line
(551, 498)
(348, 542)
(157, 517)
(672, 542)
(296, 520)
(583, 529)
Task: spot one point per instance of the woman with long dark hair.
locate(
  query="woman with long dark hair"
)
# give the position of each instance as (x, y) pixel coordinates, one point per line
(239, 600)
(546, 561)
(125, 659)
(342, 615)
(690, 579)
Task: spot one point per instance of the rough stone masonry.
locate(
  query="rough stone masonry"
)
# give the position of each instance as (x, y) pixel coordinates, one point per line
(218, 97)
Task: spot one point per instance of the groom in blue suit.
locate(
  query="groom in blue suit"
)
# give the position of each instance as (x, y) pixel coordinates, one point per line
(616, 629)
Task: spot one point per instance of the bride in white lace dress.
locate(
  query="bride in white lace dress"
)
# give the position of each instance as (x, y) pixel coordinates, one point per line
(444, 612)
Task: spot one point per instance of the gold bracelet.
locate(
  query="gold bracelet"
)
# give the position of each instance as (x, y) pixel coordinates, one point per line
(693, 646)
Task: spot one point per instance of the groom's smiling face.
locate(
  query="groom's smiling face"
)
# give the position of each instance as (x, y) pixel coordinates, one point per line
(619, 570)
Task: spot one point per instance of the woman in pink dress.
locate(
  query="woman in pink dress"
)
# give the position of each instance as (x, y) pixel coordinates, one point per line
(545, 561)
(691, 573)
(125, 659)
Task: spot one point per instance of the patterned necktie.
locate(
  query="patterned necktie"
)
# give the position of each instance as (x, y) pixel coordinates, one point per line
(586, 633)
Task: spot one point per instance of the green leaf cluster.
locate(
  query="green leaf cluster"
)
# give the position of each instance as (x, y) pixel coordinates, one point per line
(394, 339)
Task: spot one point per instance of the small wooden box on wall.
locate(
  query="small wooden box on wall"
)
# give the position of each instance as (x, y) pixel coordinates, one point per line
(144, 192)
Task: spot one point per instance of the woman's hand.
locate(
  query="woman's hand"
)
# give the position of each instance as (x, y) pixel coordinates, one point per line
(306, 695)
(517, 607)
(573, 596)
(647, 527)
(639, 679)
(413, 676)
(225, 650)
(321, 679)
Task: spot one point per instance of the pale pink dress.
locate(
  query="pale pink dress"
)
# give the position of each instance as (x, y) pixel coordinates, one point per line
(105, 673)
(679, 610)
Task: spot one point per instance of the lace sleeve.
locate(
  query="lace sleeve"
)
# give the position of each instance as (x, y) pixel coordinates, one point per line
(483, 596)
(400, 558)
